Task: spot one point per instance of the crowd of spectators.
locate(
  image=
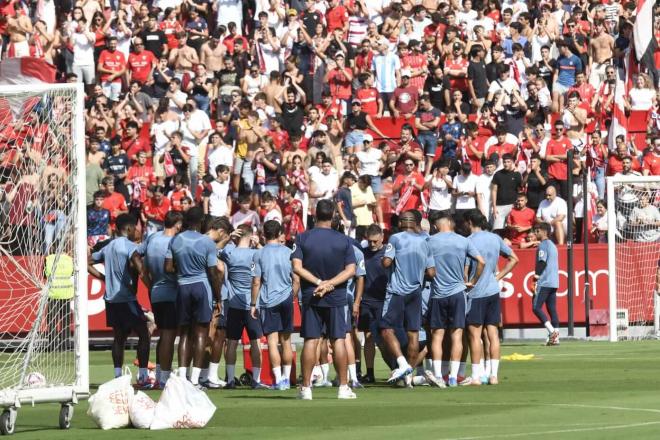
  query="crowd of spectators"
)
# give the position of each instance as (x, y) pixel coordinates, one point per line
(258, 109)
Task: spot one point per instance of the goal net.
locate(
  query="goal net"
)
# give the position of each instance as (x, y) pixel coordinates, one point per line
(43, 276)
(634, 255)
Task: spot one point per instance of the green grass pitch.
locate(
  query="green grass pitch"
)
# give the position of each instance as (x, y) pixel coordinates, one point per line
(580, 390)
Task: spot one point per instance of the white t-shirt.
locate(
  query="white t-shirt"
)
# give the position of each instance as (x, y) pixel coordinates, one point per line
(440, 195)
(160, 132)
(509, 85)
(269, 57)
(372, 6)
(370, 161)
(222, 155)
(548, 211)
(641, 99)
(273, 214)
(218, 198)
(83, 50)
(465, 184)
(198, 121)
(483, 191)
(171, 106)
(326, 183)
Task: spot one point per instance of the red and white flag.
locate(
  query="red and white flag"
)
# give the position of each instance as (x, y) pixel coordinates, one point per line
(643, 37)
(623, 85)
(23, 71)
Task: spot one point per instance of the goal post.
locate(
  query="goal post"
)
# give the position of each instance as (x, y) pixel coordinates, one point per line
(44, 355)
(633, 237)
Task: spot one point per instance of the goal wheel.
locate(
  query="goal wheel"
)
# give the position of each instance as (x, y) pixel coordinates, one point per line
(8, 421)
(66, 414)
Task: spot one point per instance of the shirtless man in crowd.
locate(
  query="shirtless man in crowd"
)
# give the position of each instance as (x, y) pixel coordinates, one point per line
(213, 52)
(18, 28)
(183, 58)
(601, 50)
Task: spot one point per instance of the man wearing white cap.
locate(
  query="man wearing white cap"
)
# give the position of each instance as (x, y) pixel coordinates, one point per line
(405, 99)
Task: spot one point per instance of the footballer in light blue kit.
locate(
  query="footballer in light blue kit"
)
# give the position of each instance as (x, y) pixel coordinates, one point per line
(192, 256)
(274, 286)
(123, 264)
(451, 254)
(408, 257)
(354, 291)
(238, 259)
(484, 299)
(324, 260)
(163, 293)
(546, 274)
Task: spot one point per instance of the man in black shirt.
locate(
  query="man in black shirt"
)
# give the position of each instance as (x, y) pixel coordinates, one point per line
(477, 77)
(535, 180)
(310, 18)
(434, 86)
(503, 190)
(293, 113)
(154, 39)
(492, 69)
(546, 66)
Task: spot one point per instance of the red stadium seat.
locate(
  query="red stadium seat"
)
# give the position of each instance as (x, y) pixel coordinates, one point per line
(390, 127)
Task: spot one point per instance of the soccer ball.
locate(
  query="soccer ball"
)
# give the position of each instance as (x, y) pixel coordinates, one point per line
(34, 380)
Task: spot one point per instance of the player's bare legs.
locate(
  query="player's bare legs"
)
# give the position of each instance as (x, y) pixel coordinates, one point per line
(165, 349)
(308, 360)
(118, 343)
(476, 352)
(494, 351)
(413, 348)
(339, 358)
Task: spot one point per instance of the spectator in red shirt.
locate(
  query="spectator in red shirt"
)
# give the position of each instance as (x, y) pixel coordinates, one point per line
(154, 210)
(178, 194)
(407, 149)
(132, 143)
(615, 159)
(339, 79)
(455, 70)
(368, 96)
(409, 186)
(555, 156)
(519, 221)
(139, 177)
(140, 63)
(651, 162)
(113, 201)
(405, 99)
(112, 67)
(336, 16)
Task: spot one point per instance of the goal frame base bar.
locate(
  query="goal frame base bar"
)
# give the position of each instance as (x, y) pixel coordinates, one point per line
(611, 181)
(56, 394)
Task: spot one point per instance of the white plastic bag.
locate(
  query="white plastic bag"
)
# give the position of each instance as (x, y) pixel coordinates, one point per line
(141, 410)
(181, 405)
(109, 406)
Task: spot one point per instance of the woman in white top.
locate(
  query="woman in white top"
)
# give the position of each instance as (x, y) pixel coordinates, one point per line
(440, 188)
(407, 31)
(599, 222)
(642, 96)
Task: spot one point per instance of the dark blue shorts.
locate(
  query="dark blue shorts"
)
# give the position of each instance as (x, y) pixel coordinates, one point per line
(237, 320)
(484, 311)
(447, 313)
(165, 315)
(124, 316)
(194, 303)
(278, 318)
(404, 311)
(369, 319)
(323, 321)
(222, 318)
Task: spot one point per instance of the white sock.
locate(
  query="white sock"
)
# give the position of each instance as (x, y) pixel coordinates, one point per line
(494, 366)
(158, 373)
(256, 374)
(437, 368)
(117, 371)
(476, 371)
(428, 364)
(453, 368)
(286, 371)
(488, 367)
(277, 374)
(461, 369)
(230, 373)
(194, 375)
(325, 369)
(402, 362)
(183, 372)
(143, 373)
(164, 376)
(352, 373)
(549, 327)
(213, 372)
(445, 368)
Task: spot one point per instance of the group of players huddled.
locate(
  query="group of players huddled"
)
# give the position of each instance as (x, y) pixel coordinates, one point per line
(423, 300)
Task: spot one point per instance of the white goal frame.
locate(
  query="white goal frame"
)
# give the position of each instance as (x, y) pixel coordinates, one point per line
(13, 398)
(611, 254)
